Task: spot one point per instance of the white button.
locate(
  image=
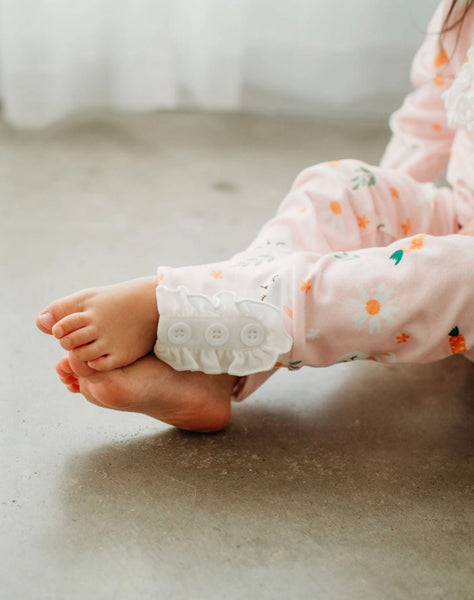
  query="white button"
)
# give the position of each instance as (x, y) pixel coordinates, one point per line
(252, 334)
(179, 333)
(216, 334)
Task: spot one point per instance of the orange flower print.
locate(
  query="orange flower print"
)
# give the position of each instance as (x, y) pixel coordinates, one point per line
(406, 227)
(394, 193)
(288, 311)
(439, 80)
(217, 274)
(363, 221)
(437, 126)
(331, 212)
(415, 244)
(334, 163)
(305, 286)
(402, 338)
(160, 279)
(441, 58)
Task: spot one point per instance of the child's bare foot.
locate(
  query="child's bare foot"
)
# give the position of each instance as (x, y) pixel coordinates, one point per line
(107, 327)
(188, 400)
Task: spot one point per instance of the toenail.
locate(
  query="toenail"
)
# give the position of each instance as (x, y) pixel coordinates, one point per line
(46, 319)
(58, 331)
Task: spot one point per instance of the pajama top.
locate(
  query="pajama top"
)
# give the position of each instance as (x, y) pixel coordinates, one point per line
(360, 262)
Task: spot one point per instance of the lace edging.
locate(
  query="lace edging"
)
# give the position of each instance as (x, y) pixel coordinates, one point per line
(179, 305)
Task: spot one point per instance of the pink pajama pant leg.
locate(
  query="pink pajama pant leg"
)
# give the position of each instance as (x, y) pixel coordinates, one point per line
(361, 261)
(412, 301)
(347, 205)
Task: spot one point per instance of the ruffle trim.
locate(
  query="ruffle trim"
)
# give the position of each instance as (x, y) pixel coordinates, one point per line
(459, 98)
(193, 314)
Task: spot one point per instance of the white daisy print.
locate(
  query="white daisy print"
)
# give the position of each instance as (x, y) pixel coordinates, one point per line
(313, 334)
(330, 211)
(373, 309)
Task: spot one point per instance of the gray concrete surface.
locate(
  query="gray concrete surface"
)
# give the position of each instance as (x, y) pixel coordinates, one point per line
(354, 481)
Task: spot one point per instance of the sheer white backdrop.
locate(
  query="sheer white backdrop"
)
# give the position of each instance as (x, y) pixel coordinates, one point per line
(299, 56)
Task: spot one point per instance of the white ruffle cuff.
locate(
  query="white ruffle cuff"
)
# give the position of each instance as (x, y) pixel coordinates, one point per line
(459, 98)
(221, 334)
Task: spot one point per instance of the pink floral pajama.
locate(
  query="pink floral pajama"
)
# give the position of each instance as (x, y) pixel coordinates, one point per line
(360, 262)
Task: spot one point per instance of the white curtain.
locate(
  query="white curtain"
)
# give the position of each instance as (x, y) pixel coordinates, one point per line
(58, 57)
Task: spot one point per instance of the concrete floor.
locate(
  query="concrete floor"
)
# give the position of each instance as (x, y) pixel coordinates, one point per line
(350, 482)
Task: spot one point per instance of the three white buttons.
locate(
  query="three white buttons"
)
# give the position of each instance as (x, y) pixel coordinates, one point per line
(217, 334)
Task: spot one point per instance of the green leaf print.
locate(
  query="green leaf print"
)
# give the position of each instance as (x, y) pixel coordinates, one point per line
(295, 365)
(364, 177)
(255, 261)
(346, 256)
(397, 256)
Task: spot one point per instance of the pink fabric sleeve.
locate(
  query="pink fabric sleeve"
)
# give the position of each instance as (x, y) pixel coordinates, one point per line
(421, 139)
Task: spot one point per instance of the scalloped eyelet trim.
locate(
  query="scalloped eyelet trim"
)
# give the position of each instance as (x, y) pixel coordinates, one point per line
(222, 334)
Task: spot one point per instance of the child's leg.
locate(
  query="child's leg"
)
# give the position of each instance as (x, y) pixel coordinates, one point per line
(412, 301)
(348, 205)
(332, 210)
(333, 206)
(404, 303)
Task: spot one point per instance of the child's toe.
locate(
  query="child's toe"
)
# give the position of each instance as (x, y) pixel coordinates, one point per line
(80, 368)
(78, 338)
(104, 363)
(63, 367)
(88, 352)
(70, 323)
(74, 388)
(66, 374)
(45, 322)
(57, 310)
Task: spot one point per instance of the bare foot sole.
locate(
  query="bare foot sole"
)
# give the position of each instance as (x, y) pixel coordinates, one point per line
(188, 400)
(107, 327)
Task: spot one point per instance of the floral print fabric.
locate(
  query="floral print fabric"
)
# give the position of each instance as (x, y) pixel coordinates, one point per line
(363, 261)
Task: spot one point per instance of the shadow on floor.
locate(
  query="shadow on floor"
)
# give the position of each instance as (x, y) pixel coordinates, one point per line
(375, 466)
